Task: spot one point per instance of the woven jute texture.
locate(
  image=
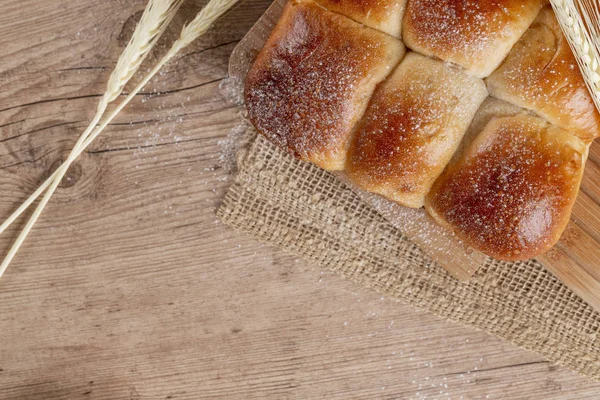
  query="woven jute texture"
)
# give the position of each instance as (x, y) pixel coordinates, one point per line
(311, 213)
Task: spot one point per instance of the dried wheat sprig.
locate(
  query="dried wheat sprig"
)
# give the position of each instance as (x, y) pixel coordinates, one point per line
(155, 19)
(190, 32)
(580, 21)
(203, 21)
(195, 29)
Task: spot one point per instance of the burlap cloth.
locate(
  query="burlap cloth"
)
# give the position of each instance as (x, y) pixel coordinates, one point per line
(309, 212)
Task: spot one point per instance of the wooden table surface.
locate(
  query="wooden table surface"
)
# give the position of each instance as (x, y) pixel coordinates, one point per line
(129, 287)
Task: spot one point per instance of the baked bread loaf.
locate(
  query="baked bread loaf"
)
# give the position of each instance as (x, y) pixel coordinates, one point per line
(511, 193)
(313, 79)
(383, 15)
(541, 74)
(503, 177)
(412, 127)
(476, 34)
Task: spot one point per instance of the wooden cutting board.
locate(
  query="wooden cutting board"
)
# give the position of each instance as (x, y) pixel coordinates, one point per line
(576, 258)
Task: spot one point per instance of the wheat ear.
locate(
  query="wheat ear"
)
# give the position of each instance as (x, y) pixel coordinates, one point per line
(580, 21)
(191, 32)
(155, 19)
(203, 21)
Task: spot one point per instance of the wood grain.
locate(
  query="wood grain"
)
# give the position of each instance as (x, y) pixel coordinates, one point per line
(129, 288)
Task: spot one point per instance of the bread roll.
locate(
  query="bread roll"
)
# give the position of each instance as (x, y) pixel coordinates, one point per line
(384, 15)
(511, 193)
(495, 171)
(413, 125)
(541, 74)
(313, 79)
(475, 34)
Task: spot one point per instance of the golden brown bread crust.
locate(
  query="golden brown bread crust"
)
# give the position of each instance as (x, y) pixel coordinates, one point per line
(384, 15)
(313, 79)
(541, 74)
(475, 34)
(512, 192)
(508, 190)
(412, 126)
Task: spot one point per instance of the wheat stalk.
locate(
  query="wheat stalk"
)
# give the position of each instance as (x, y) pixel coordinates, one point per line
(203, 21)
(580, 21)
(155, 19)
(190, 32)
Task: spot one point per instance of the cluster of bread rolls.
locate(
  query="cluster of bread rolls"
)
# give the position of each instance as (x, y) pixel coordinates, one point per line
(474, 109)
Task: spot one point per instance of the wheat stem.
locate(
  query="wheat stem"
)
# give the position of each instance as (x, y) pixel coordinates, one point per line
(155, 19)
(203, 21)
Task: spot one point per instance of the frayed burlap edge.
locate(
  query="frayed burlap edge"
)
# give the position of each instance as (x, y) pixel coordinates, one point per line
(309, 212)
